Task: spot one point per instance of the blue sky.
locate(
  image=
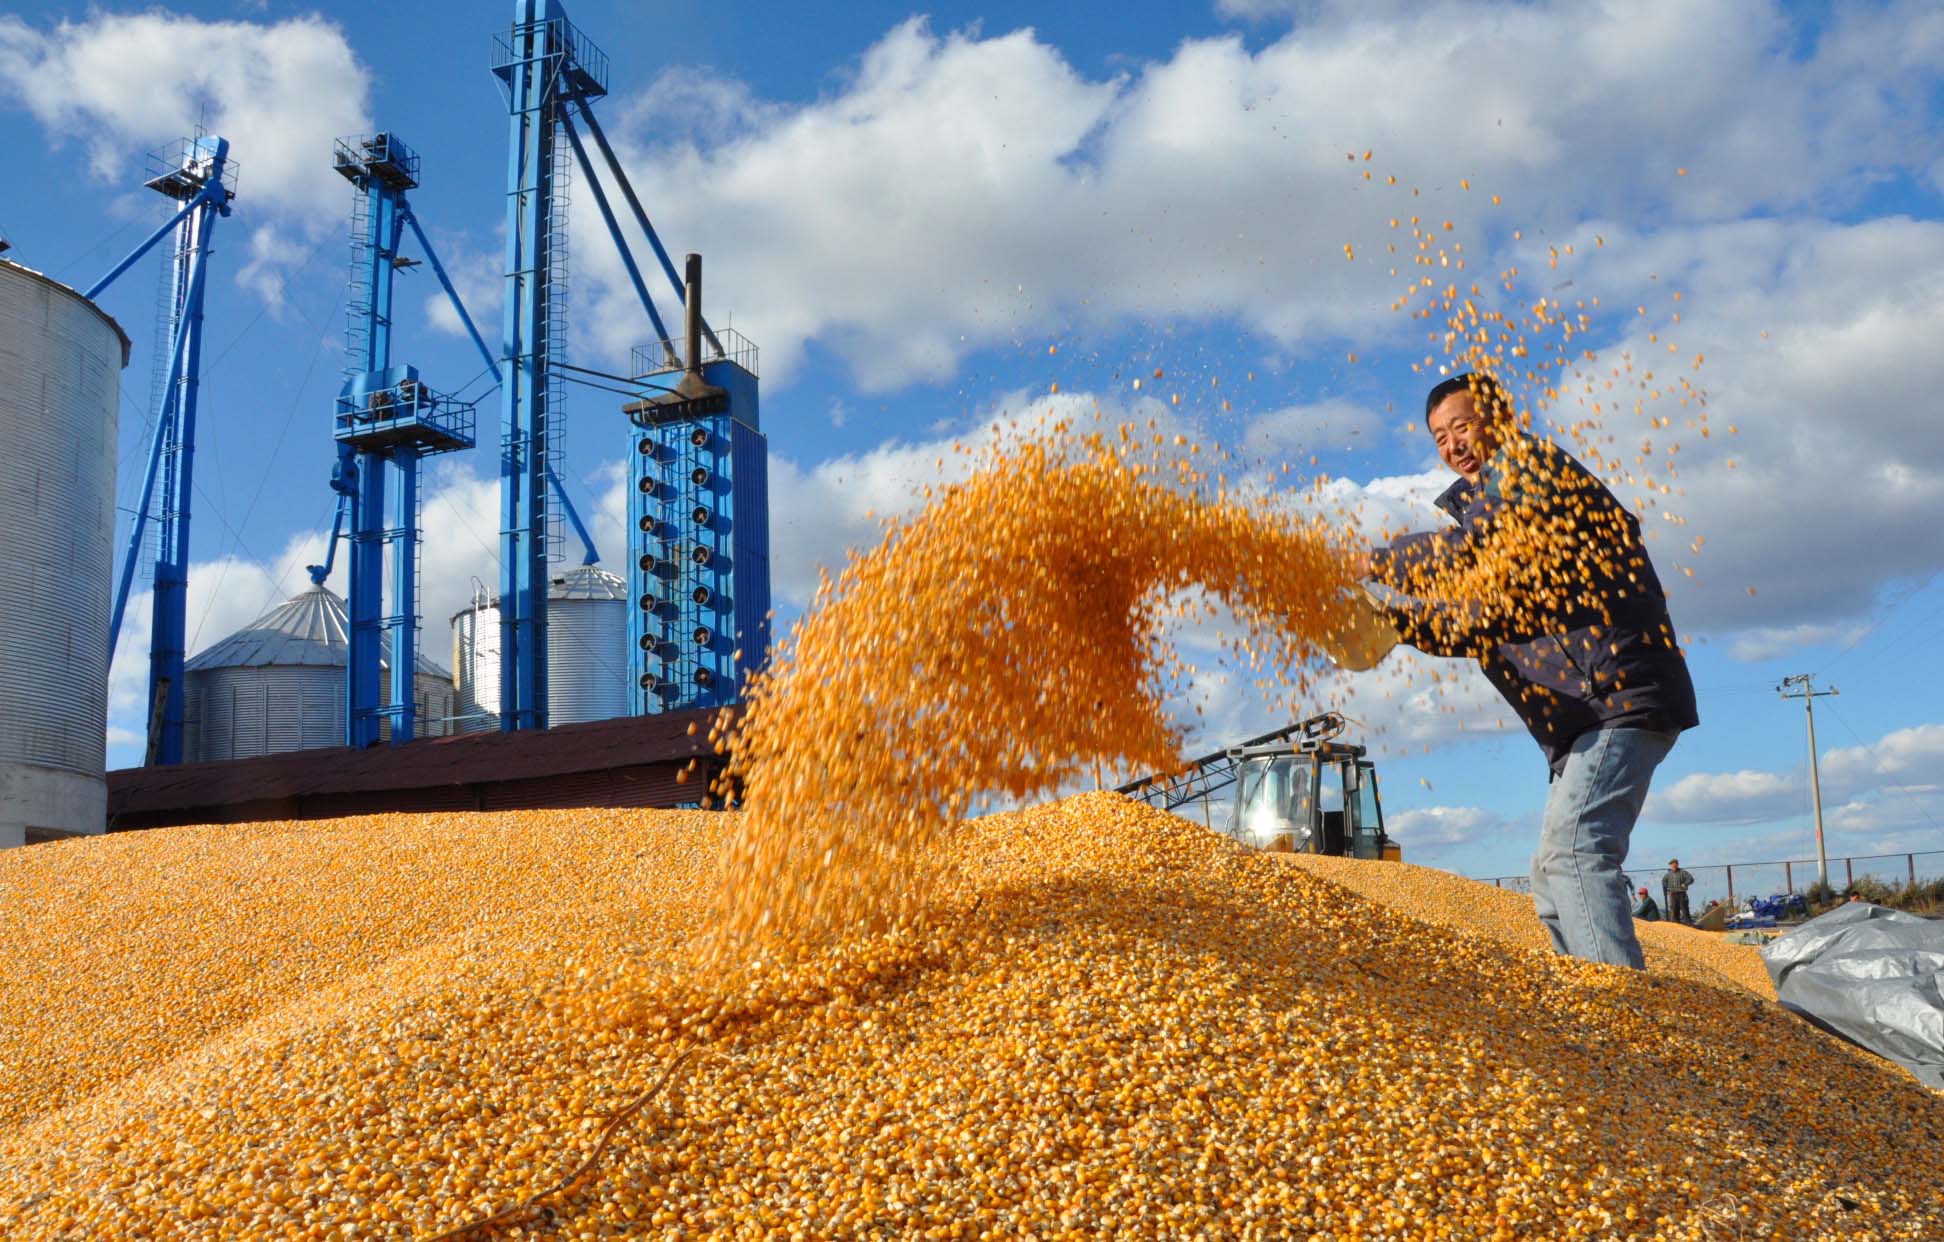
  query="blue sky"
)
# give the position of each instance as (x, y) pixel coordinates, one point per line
(905, 208)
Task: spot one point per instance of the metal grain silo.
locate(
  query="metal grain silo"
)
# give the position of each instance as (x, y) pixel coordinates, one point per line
(587, 651)
(61, 360)
(587, 646)
(277, 685)
(476, 663)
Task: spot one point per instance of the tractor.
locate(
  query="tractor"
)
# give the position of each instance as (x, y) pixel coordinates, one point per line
(1297, 790)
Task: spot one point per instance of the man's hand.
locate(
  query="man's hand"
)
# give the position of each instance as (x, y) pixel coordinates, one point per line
(1360, 566)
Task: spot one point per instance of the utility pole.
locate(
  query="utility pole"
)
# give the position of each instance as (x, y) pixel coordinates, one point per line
(1803, 686)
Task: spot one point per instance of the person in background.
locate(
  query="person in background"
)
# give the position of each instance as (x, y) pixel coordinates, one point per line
(1675, 883)
(1645, 909)
(1573, 631)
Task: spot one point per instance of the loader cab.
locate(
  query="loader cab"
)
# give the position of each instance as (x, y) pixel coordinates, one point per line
(1318, 797)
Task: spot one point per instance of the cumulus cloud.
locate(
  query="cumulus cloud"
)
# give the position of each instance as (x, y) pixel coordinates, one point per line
(224, 595)
(1296, 432)
(1742, 797)
(962, 189)
(916, 215)
(476, 274)
(822, 510)
(1877, 795)
(1906, 752)
(129, 83)
(1830, 484)
(1411, 704)
(273, 255)
(1431, 831)
(1765, 642)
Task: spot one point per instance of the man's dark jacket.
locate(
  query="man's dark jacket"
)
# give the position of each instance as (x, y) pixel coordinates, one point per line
(1605, 653)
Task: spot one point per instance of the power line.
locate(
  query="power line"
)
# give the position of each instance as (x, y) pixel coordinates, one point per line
(65, 264)
(263, 475)
(263, 478)
(1878, 622)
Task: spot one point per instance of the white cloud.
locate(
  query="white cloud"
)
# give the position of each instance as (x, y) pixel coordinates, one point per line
(1916, 751)
(1410, 704)
(1436, 830)
(476, 274)
(1383, 507)
(961, 190)
(458, 547)
(1880, 796)
(1815, 343)
(1294, 433)
(223, 596)
(136, 82)
(273, 254)
(919, 213)
(1895, 813)
(820, 512)
(1765, 642)
(1742, 797)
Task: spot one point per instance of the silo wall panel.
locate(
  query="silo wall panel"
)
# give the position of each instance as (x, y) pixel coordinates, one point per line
(587, 660)
(60, 379)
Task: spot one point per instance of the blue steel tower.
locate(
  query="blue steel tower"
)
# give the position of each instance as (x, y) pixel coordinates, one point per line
(203, 180)
(699, 536)
(386, 422)
(701, 532)
(545, 64)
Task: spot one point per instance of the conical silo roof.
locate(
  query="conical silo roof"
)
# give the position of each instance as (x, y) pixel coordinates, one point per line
(312, 628)
(587, 582)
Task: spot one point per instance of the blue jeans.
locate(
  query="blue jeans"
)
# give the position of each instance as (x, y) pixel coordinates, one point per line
(1577, 886)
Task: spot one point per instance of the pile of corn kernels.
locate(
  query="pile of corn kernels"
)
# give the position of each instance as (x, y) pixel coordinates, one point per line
(1007, 638)
(1108, 1022)
(1506, 916)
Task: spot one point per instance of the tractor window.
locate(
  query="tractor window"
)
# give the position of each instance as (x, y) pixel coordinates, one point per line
(1330, 817)
(1370, 816)
(1366, 824)
(1273, 802)
(1332, 782)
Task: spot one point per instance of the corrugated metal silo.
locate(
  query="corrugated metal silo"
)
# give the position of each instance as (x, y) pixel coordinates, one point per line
(61, 360)
(587, 652)
(476, 663)
(277, 685)
(587, 646)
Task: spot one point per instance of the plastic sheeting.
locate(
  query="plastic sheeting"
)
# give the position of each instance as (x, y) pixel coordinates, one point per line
(1871, 975)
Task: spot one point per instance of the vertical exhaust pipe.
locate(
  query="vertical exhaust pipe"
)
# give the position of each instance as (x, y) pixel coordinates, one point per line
(692, 315)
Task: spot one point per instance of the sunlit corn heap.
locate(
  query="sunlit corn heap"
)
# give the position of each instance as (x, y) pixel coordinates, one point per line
(1010, 636)
(1111, 1023)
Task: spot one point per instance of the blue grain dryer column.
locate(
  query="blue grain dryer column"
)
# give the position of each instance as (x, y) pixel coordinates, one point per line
(698, 568)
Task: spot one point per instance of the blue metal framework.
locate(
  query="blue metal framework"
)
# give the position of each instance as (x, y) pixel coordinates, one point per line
(552, 73)
(386, 421)
(541, 60)
(202, 179)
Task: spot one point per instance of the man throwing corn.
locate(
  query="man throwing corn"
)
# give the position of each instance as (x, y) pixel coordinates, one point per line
(1545, 581)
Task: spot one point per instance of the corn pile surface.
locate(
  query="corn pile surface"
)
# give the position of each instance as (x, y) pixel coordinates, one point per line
(1110, 1022)
(1507, 917)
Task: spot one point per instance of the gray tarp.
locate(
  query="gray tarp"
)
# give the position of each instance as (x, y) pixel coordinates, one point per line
(1873, 976)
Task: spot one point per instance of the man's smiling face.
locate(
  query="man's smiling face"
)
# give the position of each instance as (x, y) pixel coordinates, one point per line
(1464, 440)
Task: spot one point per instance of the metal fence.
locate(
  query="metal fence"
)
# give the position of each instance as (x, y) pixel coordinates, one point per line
(1735, 883)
